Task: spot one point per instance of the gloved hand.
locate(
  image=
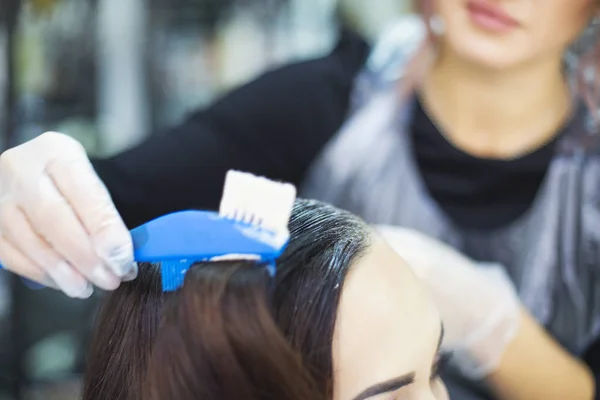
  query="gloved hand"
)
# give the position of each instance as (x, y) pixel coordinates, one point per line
(479, 306)
(58, 224)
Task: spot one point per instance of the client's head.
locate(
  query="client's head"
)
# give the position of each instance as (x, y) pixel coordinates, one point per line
(343, 319)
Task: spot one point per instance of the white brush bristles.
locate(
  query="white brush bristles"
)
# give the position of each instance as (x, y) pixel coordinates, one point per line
(257, 201)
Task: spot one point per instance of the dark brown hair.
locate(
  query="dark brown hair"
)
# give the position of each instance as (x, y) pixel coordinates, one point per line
(232, 332)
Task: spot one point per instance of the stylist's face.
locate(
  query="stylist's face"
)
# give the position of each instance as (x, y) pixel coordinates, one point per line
(511, 33)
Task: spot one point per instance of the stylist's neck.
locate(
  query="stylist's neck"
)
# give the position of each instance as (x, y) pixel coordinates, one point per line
(494, 112)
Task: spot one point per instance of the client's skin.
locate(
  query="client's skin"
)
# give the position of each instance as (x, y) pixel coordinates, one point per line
(387, 334)
(343, 319)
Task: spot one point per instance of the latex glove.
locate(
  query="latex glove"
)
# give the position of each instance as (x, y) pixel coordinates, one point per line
(479, 306)
(58, 224)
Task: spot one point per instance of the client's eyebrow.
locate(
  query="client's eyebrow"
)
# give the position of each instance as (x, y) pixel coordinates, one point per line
(388, 386)
(397, 383)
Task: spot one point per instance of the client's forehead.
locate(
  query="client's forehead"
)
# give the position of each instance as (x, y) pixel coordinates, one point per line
(386, 325)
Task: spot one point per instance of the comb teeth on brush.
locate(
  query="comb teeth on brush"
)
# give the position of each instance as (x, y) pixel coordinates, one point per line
(252, 224)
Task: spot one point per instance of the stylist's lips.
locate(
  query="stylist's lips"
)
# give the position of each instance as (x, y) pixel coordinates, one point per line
(490, 17)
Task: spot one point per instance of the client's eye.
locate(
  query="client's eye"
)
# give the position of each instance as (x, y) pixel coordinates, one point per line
(440, 363)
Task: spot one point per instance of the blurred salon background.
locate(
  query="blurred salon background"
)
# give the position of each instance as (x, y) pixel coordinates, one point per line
(109, 71)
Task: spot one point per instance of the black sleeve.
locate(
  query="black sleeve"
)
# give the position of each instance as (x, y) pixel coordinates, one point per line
(592, 358)
(274, 126)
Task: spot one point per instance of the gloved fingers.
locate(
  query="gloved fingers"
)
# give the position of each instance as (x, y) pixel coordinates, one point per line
(410, 245)
(132, 274)
(20, 240)
(90, 200)
(500, 289)
(52, 278)
(54, 219)
(60, 232)
(496, 275)
(477, 301)
(421, 247)
(480, 353)
(481, 328)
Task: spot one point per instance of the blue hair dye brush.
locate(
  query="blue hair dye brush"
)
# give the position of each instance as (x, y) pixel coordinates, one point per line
(251, 225)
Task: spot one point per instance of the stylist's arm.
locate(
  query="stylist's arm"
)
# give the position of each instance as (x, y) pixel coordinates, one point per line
(58, 224)
(491, 335)
(64, 219)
